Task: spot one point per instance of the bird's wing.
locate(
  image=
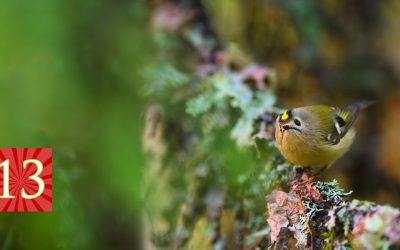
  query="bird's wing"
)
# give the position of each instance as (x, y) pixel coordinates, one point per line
(343, 120)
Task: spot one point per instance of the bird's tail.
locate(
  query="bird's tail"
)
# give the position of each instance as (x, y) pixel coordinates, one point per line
(360, 104)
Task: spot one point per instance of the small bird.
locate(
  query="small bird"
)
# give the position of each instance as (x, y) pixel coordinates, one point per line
(316, 136)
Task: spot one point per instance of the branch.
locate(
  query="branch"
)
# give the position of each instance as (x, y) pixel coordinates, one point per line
(318, 215)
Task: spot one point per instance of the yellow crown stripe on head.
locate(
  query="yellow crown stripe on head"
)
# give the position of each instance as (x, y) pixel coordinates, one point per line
(284, 116)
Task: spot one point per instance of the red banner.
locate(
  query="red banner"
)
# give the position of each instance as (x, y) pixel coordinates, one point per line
(26, 180)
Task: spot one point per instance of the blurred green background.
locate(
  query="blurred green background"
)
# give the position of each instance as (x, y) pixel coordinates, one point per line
(71, 78)
(69, 75)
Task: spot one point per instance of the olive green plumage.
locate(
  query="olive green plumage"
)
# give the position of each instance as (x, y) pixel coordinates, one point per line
(316, 136)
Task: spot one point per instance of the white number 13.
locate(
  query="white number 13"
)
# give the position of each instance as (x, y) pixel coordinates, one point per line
(35, 177)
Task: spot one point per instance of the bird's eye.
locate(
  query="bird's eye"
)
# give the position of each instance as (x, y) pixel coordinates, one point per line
(297, 122)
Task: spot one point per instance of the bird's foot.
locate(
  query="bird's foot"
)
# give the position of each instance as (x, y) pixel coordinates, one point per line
(303, 177)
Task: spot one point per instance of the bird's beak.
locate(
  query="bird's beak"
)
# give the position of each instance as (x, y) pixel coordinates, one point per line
(286, 126)
(283, 123)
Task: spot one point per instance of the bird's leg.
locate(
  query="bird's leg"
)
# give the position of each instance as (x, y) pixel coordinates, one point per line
(305, 176)
(313, 177)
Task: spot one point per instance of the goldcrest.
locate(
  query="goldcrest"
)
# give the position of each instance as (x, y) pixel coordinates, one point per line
(316, 136)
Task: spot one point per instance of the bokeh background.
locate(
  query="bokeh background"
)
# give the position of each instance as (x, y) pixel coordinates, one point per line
(69, 74)
(73, 74)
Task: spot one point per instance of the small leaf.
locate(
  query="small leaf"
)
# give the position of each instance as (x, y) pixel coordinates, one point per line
(200, 104)
(162, 77)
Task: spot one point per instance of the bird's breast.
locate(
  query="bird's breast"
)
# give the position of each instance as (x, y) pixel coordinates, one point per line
(312, 152)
